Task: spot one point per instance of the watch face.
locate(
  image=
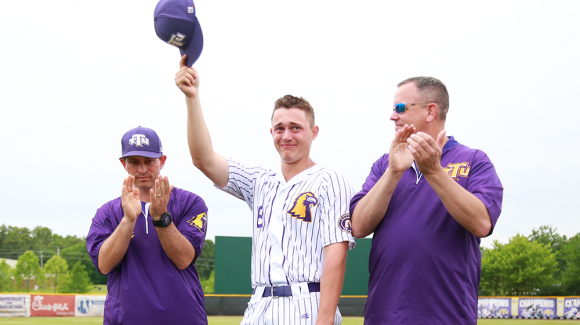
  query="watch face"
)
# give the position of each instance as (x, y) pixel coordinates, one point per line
(164, 221)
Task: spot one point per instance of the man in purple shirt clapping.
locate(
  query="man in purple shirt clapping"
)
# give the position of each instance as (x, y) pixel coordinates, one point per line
(147, 242)
(428, 203)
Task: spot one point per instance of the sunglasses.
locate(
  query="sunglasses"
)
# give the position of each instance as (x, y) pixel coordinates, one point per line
(401, 108)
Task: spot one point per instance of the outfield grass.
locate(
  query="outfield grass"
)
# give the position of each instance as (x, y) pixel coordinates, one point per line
(235, 320)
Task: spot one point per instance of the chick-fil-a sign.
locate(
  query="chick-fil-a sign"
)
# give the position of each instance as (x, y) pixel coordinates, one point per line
(49, 305)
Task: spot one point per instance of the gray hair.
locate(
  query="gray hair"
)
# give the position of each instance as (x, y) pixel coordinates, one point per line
(433, 90)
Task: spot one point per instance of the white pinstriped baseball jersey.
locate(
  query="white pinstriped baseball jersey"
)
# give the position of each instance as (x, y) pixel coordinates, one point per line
(292, 221)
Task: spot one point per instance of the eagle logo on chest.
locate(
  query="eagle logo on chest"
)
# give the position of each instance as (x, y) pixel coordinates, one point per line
(302, 207)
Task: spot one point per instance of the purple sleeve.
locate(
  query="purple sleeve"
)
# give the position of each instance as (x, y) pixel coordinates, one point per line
(101, 228)
(377, 172)
(484, 183)
(193, 224)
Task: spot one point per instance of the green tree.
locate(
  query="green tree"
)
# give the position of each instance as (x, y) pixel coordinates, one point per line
(571, 272)
(549, 235)
(527, 266)
(15, 241)
(79, 279)
(492, 271)
(208, 285)
(79, 253)
(6, 284)
(61, 243)
(204, 263)
(28, 268)
(54, 267)
(42, 237)
(64, 283)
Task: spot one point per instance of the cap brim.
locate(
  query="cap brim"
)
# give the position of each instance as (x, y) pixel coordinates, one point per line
(195, 47)
(142, 154)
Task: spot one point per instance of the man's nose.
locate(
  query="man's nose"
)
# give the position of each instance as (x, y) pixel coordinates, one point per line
(287, 135)
(394, 116)
(142, 168)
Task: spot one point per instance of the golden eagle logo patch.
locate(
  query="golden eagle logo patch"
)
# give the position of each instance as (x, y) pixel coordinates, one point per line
(199, 221)
(302, 207)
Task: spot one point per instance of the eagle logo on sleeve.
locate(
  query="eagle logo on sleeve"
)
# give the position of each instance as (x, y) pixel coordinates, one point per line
(199, 221)
(302, 207)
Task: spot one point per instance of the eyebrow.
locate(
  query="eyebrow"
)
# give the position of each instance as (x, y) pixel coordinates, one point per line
(291, 124)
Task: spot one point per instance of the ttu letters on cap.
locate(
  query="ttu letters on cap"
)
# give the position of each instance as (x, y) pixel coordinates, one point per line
(141, 141)
(176, 24)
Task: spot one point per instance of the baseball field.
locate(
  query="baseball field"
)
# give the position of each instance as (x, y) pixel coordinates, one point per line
(235, 320)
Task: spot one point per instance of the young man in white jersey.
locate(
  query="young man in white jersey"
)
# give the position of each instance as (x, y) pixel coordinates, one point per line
(301, 221)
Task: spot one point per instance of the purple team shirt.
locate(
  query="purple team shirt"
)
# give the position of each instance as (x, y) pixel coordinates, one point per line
(146, 287)
(424, 266)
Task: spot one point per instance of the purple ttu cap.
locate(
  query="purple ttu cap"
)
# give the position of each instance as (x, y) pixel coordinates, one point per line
(141, 141)
(176, 24)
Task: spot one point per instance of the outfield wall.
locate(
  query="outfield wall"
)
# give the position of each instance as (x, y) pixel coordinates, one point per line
(232, 265)
(47, 305)
(66, 305)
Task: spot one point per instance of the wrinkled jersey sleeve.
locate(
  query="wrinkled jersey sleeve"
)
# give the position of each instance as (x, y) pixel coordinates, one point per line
(484, 183)
(101, 228)
(242, 180)
(193, 224)
(377, 171)
(335, 221)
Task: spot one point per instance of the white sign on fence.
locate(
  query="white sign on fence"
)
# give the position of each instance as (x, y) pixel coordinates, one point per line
(14, 305)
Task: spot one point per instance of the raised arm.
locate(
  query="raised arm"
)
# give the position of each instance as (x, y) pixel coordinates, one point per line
(463, 206)
(371, 209)
(213, 165)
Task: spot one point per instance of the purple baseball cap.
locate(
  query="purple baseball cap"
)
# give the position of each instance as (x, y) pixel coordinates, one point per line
(176, 24)
(141, 141)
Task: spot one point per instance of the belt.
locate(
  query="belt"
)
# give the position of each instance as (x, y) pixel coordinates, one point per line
(286, 291)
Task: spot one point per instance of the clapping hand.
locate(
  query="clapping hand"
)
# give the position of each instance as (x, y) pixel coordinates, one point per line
(400, 158)
(160, 197)
(130, 200)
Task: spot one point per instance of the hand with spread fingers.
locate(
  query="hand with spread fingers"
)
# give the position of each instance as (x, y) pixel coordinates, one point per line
(160, 197)
(426, 151)
(130, 200)
(187, 79)
(400, 158)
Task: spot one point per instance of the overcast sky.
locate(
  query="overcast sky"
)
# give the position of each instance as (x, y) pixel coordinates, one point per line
(75, 75)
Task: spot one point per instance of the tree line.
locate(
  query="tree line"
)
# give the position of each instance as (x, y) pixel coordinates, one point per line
(544, 263)
(47, 258)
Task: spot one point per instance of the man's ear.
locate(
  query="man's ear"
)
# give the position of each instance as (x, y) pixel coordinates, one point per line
(162, 160)
(432, 111)
(123, 162)
(314, 132)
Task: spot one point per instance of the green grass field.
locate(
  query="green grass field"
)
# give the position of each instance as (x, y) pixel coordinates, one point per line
(235, 320)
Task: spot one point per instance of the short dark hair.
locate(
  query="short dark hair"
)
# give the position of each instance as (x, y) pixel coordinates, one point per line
(433, 90)
(290, 101)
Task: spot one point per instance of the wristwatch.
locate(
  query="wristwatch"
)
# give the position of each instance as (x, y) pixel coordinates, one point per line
(164, 221)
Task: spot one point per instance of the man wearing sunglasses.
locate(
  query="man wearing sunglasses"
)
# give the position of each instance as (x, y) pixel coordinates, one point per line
(428, 203)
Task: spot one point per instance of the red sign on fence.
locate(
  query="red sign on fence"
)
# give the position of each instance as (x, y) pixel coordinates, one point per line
(49, 305)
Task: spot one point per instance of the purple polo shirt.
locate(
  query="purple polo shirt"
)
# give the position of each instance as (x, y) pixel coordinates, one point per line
(146, 287)
(424, 266)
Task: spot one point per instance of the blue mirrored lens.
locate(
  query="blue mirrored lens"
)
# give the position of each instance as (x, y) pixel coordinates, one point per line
(400, 108)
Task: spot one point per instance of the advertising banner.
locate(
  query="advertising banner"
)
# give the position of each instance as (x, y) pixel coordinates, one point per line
(52, 305)
(90, 305)
(537, 307)
(571, 308)
(14, 305)
(494, 307)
